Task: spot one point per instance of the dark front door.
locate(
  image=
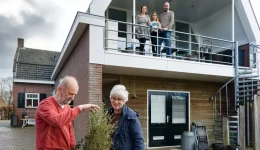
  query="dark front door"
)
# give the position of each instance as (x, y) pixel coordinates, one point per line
(168, 117)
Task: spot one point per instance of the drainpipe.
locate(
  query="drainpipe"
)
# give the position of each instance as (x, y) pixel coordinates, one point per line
(233, 20)
(134, 14)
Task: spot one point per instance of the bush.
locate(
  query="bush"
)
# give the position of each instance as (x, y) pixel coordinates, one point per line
(99, 132)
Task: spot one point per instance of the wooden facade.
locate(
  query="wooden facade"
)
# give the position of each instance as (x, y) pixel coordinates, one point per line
(200, 93)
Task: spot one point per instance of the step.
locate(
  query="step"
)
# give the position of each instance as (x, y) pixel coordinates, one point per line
(246, 76)
(248, 95)
(232, 131)
(250, 85)
(246, 100)
(233, 121)
(233, 117)
(246, 81)
(244, 91)
(233, 127)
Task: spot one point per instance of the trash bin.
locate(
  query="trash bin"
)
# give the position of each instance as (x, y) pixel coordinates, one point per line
(218, 146)
(188, 141)
(14, 120)
(233, 147)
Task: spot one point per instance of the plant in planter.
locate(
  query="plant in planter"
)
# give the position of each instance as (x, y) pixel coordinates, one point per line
(99, 132)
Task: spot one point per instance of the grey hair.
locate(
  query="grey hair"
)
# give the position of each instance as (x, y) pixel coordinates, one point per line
(64, 81)
(119, 90)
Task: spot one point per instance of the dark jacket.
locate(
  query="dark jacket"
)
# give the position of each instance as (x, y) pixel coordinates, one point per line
(128, 135)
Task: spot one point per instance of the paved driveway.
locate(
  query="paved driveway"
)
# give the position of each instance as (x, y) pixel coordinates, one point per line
(16, 138)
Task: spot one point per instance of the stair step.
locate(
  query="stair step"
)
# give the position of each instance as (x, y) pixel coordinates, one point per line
(248, 95)
(233, 137)
(246, 81)
(234, 127)
(246, 100)
(242, 91)
(246, 76)
(250, 85)
(231, 131)
(233, 116)
(233, 121)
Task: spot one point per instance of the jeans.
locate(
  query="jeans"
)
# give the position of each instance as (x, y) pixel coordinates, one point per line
(142, 44)
(154, 42)
(165, 34)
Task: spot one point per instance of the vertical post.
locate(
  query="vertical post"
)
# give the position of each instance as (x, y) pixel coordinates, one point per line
(157, 34)
(248, 124)
(225, 131)
(256, 121)
(199, 48)
(227, 99)
(236, 71)
(134, 14)
(241, 128)
(220, 102)
(233, 20)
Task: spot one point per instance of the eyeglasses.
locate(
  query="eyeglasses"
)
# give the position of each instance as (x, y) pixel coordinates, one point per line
(116, 99)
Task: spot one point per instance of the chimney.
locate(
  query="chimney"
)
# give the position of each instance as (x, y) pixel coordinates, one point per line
(20, 42)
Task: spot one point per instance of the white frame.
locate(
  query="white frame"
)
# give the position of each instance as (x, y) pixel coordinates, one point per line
(147, 121)
(38, 97)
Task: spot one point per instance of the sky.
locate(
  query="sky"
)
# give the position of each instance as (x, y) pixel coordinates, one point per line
(43, 24)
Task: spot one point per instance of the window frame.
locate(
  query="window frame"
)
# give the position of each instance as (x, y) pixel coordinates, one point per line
(33, 99)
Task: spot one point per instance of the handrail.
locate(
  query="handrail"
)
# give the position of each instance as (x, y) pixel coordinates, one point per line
(128, 23)
(235, 78)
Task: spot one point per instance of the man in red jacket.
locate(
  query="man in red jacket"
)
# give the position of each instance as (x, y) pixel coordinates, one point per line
(54, 130)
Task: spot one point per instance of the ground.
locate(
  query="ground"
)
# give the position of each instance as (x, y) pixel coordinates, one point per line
(16, 138)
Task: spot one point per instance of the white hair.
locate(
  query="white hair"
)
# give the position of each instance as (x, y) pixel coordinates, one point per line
(119, 90)
(64, 81)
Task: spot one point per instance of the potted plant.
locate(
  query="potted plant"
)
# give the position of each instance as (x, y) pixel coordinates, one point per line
(99, 132)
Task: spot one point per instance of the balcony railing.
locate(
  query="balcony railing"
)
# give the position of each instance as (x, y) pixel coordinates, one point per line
(185, 46)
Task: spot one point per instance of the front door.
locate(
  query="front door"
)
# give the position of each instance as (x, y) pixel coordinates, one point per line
(168, 117)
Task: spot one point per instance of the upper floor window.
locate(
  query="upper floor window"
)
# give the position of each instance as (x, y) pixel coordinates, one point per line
(32, 100)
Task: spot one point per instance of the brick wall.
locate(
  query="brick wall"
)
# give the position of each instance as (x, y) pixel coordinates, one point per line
(28, 88)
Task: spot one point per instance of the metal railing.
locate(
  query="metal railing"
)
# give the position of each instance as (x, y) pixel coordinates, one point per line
(183, 45)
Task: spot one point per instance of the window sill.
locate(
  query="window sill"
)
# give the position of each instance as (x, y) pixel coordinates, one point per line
(31, 107)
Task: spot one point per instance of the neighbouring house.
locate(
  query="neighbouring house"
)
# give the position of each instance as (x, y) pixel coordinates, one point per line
(3, 102)
(32, 82)
(211, 76)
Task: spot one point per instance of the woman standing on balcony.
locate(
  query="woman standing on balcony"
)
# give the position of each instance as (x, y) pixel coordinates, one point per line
(156, 25)
(143, 31)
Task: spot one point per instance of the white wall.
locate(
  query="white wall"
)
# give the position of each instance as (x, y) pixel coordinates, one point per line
(219, 25)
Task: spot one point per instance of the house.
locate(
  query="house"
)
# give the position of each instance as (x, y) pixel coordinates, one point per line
(215, 44)
(32, 82)
(2, 102)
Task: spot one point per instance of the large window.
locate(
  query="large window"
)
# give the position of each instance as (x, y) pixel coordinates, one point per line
(32, 100)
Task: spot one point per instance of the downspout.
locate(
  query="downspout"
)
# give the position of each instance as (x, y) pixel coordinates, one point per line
(134, 14)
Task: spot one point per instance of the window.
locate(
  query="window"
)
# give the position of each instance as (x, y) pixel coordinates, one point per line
(32, 100)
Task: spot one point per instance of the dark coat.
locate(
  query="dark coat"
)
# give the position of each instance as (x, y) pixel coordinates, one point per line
(128, 135)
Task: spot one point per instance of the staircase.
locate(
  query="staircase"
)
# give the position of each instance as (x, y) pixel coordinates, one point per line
(238, 91)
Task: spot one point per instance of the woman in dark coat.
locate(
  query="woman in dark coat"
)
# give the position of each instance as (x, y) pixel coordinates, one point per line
(128, 134)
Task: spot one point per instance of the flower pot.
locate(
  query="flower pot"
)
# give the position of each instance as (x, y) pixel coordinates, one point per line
(233, 147)
(218, 146)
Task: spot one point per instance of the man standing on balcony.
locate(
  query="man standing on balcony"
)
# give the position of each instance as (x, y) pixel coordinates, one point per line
(167, 20)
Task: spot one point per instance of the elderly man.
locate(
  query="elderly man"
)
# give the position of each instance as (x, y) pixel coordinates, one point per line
(54, 117)
(167, 20)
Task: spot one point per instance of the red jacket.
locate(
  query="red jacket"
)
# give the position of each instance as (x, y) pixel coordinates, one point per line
(54, 130)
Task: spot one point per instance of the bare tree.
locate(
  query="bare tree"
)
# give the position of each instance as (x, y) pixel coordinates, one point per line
(6, 89)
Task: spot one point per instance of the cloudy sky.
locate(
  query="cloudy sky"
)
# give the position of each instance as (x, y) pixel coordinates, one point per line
(44, 24)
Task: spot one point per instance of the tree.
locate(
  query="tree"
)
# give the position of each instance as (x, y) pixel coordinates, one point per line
(6, 89)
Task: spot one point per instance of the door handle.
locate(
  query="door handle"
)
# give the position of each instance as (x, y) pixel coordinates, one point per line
(167, 118)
